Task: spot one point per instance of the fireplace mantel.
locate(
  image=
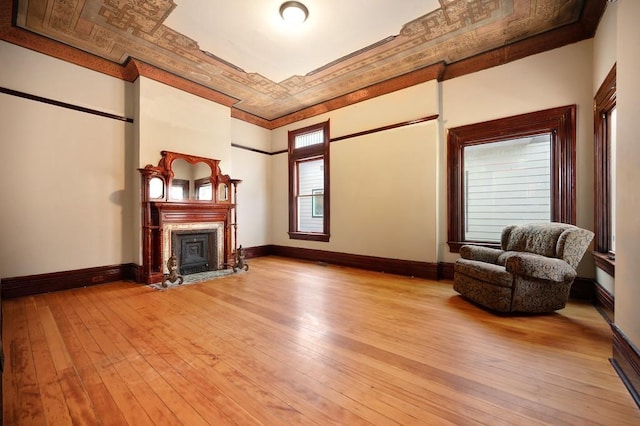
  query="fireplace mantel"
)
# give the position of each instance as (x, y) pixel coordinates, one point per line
(162, 211)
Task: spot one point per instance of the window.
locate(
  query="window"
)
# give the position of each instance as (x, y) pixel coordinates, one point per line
(514, 170)
(309, 183)
(605, 116)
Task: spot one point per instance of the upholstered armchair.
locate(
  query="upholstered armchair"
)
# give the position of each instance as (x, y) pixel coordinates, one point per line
(532, 272)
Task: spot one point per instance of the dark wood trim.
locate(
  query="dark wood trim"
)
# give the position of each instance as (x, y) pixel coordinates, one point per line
(445, 270)
(389, 86)
(583, 289)
(583, 29)
(391, 266)
(257, 251)
(134, 68)
(297, 155)
(560, 121)
(61, 104)
(604, 303)
(29, 40)
(65, 280)
(604, 262)
(603, 103)
(626, 361)
(248, 148)
(250, 118)
(383, 128)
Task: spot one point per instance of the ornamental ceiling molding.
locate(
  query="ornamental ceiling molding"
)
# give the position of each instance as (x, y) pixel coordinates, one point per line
(127, 38)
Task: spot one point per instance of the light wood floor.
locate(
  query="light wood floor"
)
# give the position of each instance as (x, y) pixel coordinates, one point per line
(300, 343)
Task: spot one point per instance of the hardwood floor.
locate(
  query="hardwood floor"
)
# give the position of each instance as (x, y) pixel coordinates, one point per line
(300, 343)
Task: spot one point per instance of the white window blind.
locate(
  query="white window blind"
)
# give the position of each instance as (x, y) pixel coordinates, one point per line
(506, 182)
(307, 139)
(310, 189)
(613, 118)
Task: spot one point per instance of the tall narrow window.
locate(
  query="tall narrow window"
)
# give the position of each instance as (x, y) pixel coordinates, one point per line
(510, 171)
(309, 183)
(605, 117)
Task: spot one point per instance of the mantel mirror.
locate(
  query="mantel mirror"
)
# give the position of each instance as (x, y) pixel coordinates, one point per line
(185, 178)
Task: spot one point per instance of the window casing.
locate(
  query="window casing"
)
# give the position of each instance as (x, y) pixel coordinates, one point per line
(309, 183)
(605, 116)
(518, 169)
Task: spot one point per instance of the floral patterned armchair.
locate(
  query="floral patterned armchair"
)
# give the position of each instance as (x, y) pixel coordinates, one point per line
(533, 271)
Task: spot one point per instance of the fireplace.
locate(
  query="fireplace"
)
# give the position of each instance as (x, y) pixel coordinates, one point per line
(209, 217)
(198, 247)
(195, 251)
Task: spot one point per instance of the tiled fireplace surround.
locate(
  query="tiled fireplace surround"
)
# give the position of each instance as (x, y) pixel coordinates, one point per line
(193, 227)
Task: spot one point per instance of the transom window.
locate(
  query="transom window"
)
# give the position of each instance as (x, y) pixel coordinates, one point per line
(514, 170)
(309, 183)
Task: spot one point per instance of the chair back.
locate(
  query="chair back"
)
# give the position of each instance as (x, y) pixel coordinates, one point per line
(559, 240)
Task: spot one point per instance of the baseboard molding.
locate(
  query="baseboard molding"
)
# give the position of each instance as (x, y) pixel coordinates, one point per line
(445, 270)
(583, 289)
(391, 266)
(604, 303)
(65, 280)
(257, 251)
(45, 283)
(626, 361)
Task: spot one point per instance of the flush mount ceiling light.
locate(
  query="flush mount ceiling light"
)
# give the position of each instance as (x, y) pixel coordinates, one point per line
(294, 12)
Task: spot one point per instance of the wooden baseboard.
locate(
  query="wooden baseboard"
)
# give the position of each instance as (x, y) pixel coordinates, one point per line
(65, 280)
(257, 251)
(604, 303)
(391, 266)
(626, 361)
(583, 289)
(445, 270)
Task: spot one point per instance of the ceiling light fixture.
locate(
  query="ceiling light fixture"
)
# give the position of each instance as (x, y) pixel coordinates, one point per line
(294, 12)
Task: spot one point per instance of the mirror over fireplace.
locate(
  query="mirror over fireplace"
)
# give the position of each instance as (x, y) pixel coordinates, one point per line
(189, 211)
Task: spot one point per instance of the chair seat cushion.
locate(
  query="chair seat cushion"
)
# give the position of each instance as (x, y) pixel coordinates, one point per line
(487, 272)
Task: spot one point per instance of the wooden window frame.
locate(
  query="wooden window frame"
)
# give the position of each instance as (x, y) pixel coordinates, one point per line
(603, 103)
(560, 122)
(296, 155)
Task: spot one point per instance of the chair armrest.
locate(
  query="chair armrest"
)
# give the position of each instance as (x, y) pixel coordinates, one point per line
(480, 253)
(542, 267)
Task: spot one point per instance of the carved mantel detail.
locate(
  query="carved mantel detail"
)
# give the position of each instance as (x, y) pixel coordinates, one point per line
(184, 191)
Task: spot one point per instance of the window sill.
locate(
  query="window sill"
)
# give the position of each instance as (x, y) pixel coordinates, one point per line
(307, 236)
(604, 262)
(454, 246)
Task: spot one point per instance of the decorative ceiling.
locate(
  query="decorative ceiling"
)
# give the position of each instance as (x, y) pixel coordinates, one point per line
(455, 37)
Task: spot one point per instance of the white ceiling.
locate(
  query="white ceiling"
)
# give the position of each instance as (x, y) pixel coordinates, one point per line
(251, 35)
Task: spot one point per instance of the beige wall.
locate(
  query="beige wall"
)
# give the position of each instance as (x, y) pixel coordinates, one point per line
(382, 184)
(65, 174)
(628, 171)
(173, 120)
(254, 168)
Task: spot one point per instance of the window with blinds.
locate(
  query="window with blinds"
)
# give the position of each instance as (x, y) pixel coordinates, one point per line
(511, 170)
(505, 183)
(309, 183)
(310, 193)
